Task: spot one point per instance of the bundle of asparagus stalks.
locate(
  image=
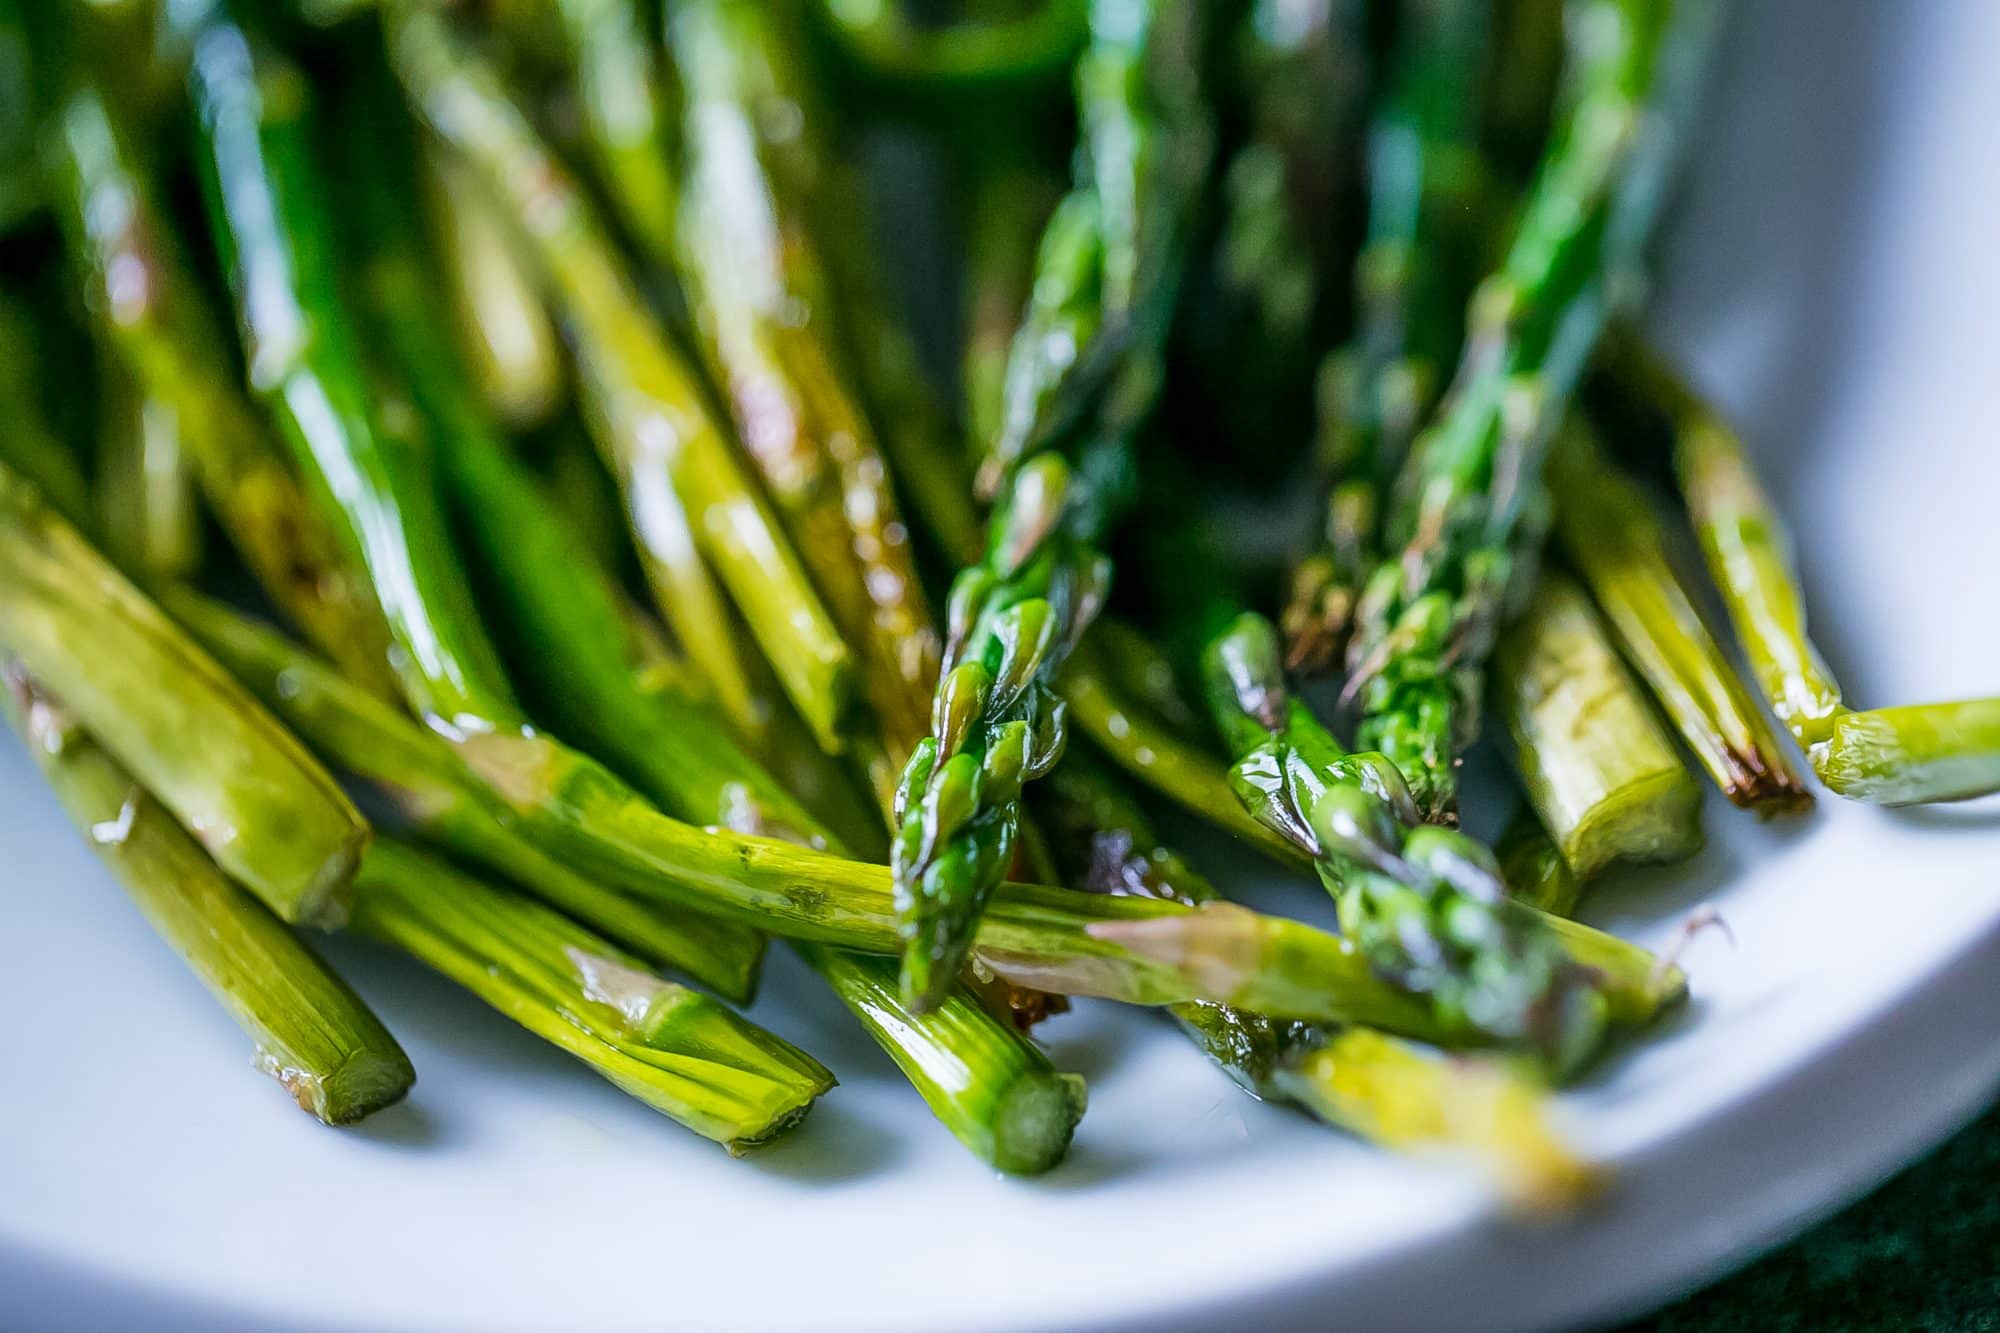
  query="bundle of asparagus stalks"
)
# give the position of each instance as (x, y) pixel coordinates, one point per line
(497, 418)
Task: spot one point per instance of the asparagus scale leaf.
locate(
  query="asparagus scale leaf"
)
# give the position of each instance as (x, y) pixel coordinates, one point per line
(1383, 1089)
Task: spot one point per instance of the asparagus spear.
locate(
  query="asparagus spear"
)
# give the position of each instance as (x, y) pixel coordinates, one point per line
(504, 330)
(1383, 1089)
(1616, 541)
(312, 1033)
(747, 260)
(993, 1089)
(1425, 905)
(1890, 756)
(1536, 871)
(1423, 173)
(1428, 613)
(1152, 751)
(678, 1051)
(624, 121)
(1088, 346)
(148, 313)
(684, 486)
(418, 775)
(272, 818)
(1600, 773)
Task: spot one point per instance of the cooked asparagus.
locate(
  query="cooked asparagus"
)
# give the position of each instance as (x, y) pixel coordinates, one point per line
(1383, 1089)
(687, 494)
(1425, 905)
(148, 311)
(1429, 611)
(1602, 776)
(1088, 347)
(678, 1051)
(272, 818)
(1616, 541)
(312, 1033)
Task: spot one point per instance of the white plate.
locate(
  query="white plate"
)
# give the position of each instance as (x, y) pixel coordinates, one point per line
(1834, 276)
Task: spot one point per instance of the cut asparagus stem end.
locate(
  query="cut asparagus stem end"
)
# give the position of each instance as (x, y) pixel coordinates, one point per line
(680, 1052)
(990, 1086)
(1535, 869)
(1412, 1100)
(1601, 774)
(270, 815)
(1913, 755)
(1616, 539)
(311, 1032)
(445, 806)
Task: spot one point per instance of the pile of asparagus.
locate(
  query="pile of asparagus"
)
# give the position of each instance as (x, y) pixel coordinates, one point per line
(576, 496)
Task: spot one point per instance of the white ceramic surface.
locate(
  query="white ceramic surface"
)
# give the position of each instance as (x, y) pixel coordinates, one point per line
(1833, 276)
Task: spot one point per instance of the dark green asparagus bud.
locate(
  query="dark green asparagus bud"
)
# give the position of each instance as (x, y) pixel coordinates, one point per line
(1423, 631)
(1425, 905)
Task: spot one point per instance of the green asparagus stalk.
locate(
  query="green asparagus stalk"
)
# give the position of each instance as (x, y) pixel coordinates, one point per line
(1616, 541)
(29, 445)
(976, 48)
(1602, 776)
(685, 489)
(151, 519)
(311, 1032)
(1424, 178)
(549, 589)
(146, 307)
(1407, 1098)
(1891, 756)
(504, 330)
(372, 477)
(1424, 904)
(624, 120)
(747, 260)
(1378, 1087)
(678, 1051)
(1429, 611)
(443, 805)
(272, 818)
(1089, 344)
(993, 1089)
